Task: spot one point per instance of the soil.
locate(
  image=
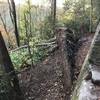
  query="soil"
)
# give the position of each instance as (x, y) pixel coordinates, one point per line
(82, 52)
(45, 81)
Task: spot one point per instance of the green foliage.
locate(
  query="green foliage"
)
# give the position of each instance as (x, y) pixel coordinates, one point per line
(40, 22)
(77, 15)
(41, 30)
(18, 57)
(47, 29)
(5, 88)
(39, 54)
(96, 6)
(22, 57)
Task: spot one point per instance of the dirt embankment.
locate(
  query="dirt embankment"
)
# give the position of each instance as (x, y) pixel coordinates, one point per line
(82, 52)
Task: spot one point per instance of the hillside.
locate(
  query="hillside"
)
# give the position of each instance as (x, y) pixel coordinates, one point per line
(45, 82)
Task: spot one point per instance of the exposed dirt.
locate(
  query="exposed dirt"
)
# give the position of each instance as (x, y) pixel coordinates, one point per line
(45, 81)
(82, 52)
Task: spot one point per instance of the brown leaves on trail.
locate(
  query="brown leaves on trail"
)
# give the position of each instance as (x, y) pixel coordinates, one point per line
(45, 81)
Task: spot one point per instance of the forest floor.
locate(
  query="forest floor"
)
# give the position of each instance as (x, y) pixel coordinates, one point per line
(82, 52)
(45, 81)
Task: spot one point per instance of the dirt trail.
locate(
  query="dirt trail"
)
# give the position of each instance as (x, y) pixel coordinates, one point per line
(45, 82)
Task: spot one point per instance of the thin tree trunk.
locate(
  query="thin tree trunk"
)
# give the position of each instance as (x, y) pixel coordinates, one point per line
(28, 37)
(30, 19)
(12, 9)
(91, 11)
(53, 13)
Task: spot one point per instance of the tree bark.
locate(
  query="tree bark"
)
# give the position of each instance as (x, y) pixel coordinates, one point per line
(53, 13)
(9, 72)
(28, 39)
(13, 16)
(91, 11)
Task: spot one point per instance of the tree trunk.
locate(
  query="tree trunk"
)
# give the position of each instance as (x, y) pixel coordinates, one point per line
(12, 9)
(87, 87)
(8, 76)
(30, 17)
(91, 12)
(28, 39)
(53, 13)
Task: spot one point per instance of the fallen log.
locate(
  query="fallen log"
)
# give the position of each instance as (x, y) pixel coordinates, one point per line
(46, 44)
(53, 48)
(19, 48)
